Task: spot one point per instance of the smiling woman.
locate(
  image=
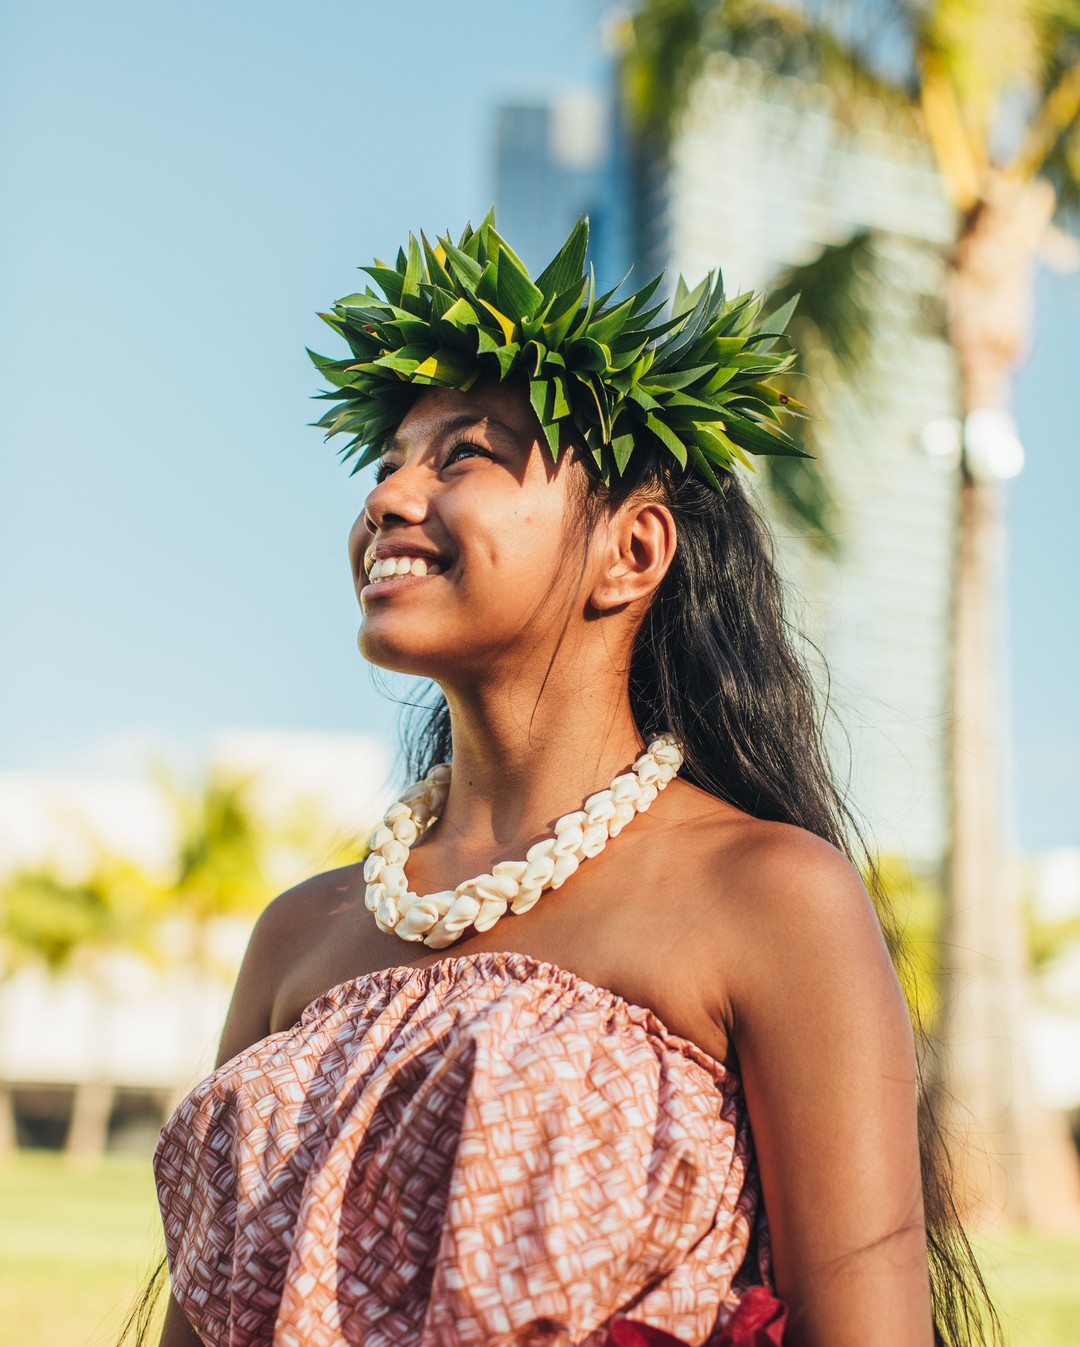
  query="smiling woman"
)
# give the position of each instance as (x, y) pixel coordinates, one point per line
(666, 1089)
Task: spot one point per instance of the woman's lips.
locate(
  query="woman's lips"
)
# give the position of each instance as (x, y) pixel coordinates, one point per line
(394, 583)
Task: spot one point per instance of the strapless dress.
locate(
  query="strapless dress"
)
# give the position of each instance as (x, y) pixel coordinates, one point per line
(485, 1151)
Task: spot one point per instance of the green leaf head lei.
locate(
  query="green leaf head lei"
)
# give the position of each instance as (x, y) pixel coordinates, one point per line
(614, 373)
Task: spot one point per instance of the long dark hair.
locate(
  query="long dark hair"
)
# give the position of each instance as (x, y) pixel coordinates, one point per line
(718, 662)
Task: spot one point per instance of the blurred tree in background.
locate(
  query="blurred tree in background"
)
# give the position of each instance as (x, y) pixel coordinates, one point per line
(65, 924)
(994, 88)
(226, 861)
(220, 863)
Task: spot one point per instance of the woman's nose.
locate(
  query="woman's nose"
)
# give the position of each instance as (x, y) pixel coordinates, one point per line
(398, 498)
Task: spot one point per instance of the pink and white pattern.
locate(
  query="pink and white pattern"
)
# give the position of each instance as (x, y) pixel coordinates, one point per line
(488, 1150)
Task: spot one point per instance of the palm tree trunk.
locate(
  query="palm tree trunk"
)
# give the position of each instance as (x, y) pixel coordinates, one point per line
(1013, 1158)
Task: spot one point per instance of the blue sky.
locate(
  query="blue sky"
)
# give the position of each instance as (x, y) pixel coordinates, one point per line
(185, 186)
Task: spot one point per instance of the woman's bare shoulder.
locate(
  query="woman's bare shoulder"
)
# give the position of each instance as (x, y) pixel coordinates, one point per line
(785, 900)
(290, 930)
(303, 909)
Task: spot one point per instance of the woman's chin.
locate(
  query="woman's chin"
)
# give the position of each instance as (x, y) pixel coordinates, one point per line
(396, 656)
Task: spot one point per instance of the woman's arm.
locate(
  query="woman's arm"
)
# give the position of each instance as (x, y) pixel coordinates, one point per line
(276, 941)
(827, 1055)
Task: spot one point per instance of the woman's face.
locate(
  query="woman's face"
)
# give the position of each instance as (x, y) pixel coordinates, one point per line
(467, 488)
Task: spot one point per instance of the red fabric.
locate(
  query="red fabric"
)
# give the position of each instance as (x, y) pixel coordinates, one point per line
(758, 1322)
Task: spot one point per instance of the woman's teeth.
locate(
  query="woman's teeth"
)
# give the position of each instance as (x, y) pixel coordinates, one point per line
(391, 566)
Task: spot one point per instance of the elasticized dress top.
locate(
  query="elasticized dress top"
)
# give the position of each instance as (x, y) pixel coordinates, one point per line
(485, 1151)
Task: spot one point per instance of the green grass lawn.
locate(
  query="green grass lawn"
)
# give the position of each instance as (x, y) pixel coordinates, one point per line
(75, 1247)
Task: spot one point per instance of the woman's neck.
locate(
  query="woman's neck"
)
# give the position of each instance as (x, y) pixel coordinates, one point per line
(521, 760)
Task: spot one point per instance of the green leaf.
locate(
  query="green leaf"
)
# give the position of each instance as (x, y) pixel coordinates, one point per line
(622, 446)
(667, 437)
(564, 271)
(681, 378)
(702, 464)
(586, 354)
(777, 323)
(758, 440)
(465, 271)
(414, 272)
(449, 367)
(538, 396)
(611, 324)
(517, 296)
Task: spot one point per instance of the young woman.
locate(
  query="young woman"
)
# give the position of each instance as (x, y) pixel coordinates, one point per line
(642, 1065)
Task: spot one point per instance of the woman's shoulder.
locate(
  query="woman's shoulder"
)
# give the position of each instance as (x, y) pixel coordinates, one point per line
(764, 866)
(292, 931)
(781, 901)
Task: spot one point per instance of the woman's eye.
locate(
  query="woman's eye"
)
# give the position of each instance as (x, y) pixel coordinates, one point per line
(465, 448)
(383, 471)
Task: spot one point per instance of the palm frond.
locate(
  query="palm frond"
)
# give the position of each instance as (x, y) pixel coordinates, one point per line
(667, 42)
(832, 327)
(1051, 145)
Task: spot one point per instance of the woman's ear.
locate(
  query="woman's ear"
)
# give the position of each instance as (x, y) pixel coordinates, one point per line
(637, 553)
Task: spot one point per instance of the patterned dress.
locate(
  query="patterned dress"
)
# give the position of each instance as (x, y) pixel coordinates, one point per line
(485, 1151)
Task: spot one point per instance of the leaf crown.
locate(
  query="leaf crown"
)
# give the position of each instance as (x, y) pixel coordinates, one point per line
(694, 385)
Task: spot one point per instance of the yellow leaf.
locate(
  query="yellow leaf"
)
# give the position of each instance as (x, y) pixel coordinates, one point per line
(501, 318)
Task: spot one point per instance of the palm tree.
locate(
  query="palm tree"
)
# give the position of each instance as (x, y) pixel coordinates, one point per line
(64, 924)
(220, 860)
(994, 88)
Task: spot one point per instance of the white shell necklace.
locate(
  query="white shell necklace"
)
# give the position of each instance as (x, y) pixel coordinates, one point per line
(438, 919)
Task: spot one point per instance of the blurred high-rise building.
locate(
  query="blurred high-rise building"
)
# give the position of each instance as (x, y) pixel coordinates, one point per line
(762, 171)
(556, 161)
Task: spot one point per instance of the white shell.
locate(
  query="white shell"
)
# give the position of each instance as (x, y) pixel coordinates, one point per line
(387, 914)
(439, 938)
(594, 841)
(422, 813)
(443, 899)
(421, 916)
(599, 807)
(461, 913)
(438, 919)
(500, 887)
(568, 841)
(513, 868)
(491, 909)
(538, 872)
(394, 852)
(393, 876)
(405, 831)
(527, 898)
(625, 787)
(565, 866)
(621, 817)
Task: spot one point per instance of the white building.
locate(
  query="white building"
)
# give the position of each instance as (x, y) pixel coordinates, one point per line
(763, 171)
(121, 1035)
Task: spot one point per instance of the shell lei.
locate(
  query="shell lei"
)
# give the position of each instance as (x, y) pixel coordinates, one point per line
(438, 919)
